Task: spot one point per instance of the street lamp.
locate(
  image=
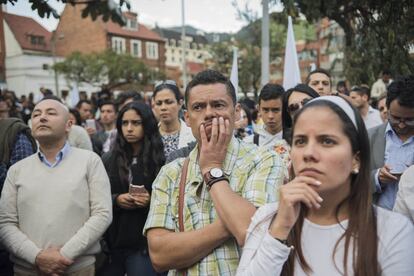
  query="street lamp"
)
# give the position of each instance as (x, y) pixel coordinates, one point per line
(53, 44)
(265, 43)
(184, 63)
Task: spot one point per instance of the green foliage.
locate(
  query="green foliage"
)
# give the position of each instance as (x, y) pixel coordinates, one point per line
(377, 33)
(248, 41)
(107, 69)
(108, 9)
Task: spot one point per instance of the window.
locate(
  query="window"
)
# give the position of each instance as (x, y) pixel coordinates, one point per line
(136, 48)
(172, 42)
(37, 40)
(152, 50)
(131, 24)
(118, 45)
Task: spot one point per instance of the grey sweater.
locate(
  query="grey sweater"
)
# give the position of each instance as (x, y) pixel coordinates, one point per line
(68, 206)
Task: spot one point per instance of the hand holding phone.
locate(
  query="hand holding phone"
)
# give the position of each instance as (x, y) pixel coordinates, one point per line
(136, 189)
(90, 123)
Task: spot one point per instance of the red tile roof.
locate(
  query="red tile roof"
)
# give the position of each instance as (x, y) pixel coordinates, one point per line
(142, 32)
(25, 27)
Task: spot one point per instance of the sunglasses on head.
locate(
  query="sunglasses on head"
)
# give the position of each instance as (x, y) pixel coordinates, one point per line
(170, 82)
(294, 107)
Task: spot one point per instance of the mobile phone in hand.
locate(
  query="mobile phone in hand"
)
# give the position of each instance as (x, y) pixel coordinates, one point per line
(136, 189)
(90, 123)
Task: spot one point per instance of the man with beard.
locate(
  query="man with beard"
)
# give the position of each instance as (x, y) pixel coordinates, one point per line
(392, 144)
(200, 229)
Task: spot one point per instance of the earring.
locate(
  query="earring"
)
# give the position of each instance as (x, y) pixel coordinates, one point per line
(355, 171)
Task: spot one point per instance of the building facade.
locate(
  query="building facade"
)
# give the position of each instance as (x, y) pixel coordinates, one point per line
(28, 56)
(85, 35)
(196, 54)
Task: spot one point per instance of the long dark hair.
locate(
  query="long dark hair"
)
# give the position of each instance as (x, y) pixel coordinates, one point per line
(362, 222)
(151, 154)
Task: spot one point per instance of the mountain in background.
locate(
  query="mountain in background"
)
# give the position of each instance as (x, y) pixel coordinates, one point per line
(213, 37)
(252, 32)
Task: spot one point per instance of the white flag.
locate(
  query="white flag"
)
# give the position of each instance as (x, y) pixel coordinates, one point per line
(74, 95)
(291, 72)
(234, 76)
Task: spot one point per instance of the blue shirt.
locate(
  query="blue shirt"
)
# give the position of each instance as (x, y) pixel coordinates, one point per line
(398, 156)
(21, 149)
(59, 157)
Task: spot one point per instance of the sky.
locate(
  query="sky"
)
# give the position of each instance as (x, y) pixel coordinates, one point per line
(207, 15)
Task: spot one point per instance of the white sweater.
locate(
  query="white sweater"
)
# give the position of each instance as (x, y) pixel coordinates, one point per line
(263, 255)
(68, 206)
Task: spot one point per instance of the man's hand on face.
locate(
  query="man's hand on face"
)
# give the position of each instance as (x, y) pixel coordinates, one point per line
(51, 262)
(213, 152)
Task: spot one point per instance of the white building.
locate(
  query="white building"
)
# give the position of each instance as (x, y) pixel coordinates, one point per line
(196, 51)
(29, 57)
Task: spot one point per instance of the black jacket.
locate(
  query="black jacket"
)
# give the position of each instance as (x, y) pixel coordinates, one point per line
(125, 232)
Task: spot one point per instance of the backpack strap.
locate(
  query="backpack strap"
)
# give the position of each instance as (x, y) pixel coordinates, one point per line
(256, 138)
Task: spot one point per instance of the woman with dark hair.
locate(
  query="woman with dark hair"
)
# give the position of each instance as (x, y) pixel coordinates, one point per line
(132, 165)
(167, 102)
(293, 100)
(244, 127)
(325, 212)
(75, 117)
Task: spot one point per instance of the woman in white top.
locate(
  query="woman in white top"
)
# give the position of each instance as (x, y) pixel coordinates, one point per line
(167, 102)
(324, 222)
(404, 202)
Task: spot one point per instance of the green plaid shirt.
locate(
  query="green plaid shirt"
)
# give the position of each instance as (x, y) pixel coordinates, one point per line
(255, 175)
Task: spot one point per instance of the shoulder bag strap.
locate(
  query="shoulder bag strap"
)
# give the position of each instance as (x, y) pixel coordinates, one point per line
(181, 202)
(181, 195)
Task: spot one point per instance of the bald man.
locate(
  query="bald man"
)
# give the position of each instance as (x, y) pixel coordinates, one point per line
(56, 203)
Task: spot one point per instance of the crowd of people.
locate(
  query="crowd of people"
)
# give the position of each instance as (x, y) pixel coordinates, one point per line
(308, 181)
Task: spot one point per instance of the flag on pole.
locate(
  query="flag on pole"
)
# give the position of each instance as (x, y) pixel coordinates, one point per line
(291, 72)
(234, 76)
(74, 95)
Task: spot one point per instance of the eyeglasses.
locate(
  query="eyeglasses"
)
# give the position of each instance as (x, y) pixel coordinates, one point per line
(294, 107)
(397, 120)
(170, 82)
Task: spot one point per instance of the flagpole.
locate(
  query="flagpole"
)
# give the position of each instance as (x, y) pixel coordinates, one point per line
(265, 43)
(183, 46)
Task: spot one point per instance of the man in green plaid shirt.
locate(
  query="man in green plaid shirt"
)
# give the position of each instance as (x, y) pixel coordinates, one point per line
(226, 181)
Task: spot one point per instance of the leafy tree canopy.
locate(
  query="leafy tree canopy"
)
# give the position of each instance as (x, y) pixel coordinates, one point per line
(107, 8)
(107, 69)
(378, 34)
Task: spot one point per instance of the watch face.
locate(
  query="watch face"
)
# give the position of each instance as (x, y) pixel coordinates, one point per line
(216, 172)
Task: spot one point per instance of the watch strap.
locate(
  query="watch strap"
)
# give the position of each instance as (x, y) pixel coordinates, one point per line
(213, 181)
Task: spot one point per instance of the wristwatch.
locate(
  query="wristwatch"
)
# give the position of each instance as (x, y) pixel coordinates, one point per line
(213, 176)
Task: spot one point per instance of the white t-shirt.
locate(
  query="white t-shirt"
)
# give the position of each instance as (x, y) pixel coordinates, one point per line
(263, 255)
(266, 139)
